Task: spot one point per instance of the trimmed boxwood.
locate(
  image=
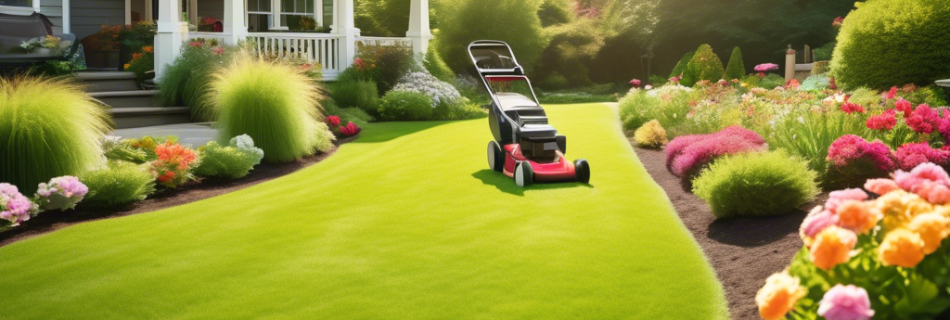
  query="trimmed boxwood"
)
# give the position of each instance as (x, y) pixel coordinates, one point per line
(705, 65)
(736, 67)
(400, 105)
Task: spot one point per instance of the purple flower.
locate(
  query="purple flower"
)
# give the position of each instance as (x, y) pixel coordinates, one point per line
(14, 207)
(60, 193)
(845, 303)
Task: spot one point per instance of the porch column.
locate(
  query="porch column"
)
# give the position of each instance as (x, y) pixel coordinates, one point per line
(344, 24)
(170, 34)
(36, 5)
(275, 14)
(193, 12)
(419, 26)
(67, 21)
(235, 21)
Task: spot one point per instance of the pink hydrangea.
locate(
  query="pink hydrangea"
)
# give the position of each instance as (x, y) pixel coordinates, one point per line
(816, 221)
(923, 173)
(851, 151)
(881, 186)
(687, 156)
(60, 193)
(935, 193)
(14, 207)
(845, 303)
(635, 82)
(911, 155)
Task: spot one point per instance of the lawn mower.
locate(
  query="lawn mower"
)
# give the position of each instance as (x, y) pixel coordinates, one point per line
(526, 147)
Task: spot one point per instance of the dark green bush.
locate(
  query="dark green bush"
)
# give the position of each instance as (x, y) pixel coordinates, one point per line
(893, 42)
(554, 81)
(680, 67)
(401, 105)
(513, 21)
(361, 94)
(571, 49)
(756, 184)
(736, 67)
(705, 65)
(117, 184)
(555, 12)
(824, 52)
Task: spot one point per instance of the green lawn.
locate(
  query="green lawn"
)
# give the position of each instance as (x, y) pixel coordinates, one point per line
(405, 223)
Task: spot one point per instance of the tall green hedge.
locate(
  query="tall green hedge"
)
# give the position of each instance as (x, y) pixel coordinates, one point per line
(893, 42)
(512, 21)
(705, 65)
(736, 67)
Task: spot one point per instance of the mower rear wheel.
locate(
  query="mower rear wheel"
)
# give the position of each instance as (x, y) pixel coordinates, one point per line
(496, 158)
(524, 174)
(582, 171)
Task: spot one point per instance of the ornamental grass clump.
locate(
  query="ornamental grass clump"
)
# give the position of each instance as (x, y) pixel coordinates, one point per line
(232, 161)
(650, 135)
(274, 103)
(853, 160)
(890, 248)
(687, 155)
(118, 183)
(50, 128)
(756, 184)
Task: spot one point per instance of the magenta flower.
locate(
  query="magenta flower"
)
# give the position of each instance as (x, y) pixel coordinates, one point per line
(851, 151)
(635, 83)
(14, 207)
(923, 119)
(688, 154)
(911, 155)
(765, 67)
(836, 198)
(845, 303)
(60, 193)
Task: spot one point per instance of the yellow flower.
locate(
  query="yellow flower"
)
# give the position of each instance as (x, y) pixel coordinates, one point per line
(856, 216)
(901, 247)
(127, 65)
(932, 229)
(897, 208)
(832, 246)
(778, 296)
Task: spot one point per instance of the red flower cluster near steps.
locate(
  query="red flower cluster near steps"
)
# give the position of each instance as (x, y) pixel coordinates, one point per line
(686, 155)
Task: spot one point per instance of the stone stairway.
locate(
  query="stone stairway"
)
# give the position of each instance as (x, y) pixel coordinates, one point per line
(131, 106)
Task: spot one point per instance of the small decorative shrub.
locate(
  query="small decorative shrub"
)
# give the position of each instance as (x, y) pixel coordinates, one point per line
(705, 65)
(174, 164)
(384, 65)
(362, 94)
(141, 63)
(884, 257)
(114, 148)
(736, 67)
(14, 206)
(756, 184)
(118, 183)
(60, 193)
(892, 42)
(650, 135)
(911, 155)
(852, 160)
(816, 83)
(398, 105)
(49, 128)
(274, 103)
(442, 93)
(232, 161)
(690, 154)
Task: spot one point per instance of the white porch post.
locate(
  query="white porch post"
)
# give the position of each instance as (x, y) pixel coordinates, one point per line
(275, 14)
(344, 24)
(128, 12)
(235, 21)
(170, 34)
(419, 26)
(67, 22)
(36, 5)
(318, 12)
(193, 11)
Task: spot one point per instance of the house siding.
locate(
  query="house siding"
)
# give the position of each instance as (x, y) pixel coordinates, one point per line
(89, 15)
(53, 9)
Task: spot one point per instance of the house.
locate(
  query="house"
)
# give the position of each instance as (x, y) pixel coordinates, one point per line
(262, 21)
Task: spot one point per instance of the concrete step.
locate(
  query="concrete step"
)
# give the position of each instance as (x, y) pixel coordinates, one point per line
(136, 117)
(108, 81)
(127, 99)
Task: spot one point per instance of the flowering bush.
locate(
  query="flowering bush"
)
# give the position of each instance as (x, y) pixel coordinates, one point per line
(60, 193)
(141, 63)
(14, 207)
(691, 153)
(441, 92)
(350, 129)
(852, 160)
(913, 154)
(889, 248)
(174, 164)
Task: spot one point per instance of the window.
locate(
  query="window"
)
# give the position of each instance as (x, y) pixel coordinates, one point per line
(259, 15)
(295, 8)
(327, 13)
(17, 3)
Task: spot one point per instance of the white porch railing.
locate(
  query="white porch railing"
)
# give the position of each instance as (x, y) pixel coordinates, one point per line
(383, 41)
(222, 38)
(320, 48)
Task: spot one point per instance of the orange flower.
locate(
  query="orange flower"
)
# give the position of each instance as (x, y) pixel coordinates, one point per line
(832, 246)
(932, 229)
(902, 248)
(148, 49)
(778, 296)
(127, 65)
(856, 216)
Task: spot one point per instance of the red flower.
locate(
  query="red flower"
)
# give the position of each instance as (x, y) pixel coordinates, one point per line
(635, 82)
(892, 93)
(904, 106)
(333, 120)
(885, 121)
(168, 176)
(923, 119)
(831, 82)
(838, 21)
(350, 129)
(850, 108)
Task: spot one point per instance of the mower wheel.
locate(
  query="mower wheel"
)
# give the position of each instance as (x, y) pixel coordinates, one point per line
(524, 174)
(582, 170)
(496, 157)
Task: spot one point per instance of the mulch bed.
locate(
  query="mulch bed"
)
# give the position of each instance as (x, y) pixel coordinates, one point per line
(744, 251)
(208, 188)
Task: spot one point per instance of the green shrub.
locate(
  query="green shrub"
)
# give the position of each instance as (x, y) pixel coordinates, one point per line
(736, 67)
(681, 65)
(573, 97)
(893, 42)
(555, 81)
(187, 80)
(824, 52)
(176, 75)
(555, 12)
(384, 65)
(571, 49)
(118, 183)
(362, 94)
(512, 21)
(931, 95)
(820, 67)
(650, 135)
(232, 161)
(865, 97)
(634, 110)
(398, 105)
(274, 103)
(354, 115)
(705, 65)
(436, 66)
(809, 134)
(756, 184)
(48, 128)
(122, 150)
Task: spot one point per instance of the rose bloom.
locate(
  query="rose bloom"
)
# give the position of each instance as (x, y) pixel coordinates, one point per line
(845, 303)
(881, 186)
(856, 216)
(778, 296)
(832, 246)
(901, 247)
(932, 229)
(816, 221)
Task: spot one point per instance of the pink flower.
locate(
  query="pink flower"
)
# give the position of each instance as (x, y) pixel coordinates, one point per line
(195, 44)
(845, 303)
(903, 106)
(836, 198)
(851, 151)
(831, 82)
(14, 207)
(766, 67)
(925, 172)
(923, 119)
(60, 193)
(350, 129)
(838, 21)
(635, 82)
(933, 192)
(881, 186)
(334, 121)
(892, 93)
(676, 79)
(688, 154)
(816, 221)
(885, 121)
(217, 50)
(911, 155)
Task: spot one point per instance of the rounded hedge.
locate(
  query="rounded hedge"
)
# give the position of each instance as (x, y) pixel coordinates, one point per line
(512, 21)
(756, 184)
(49, 128)
(362, 94)
(402, 105)
(705, 65)
(888, 43)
